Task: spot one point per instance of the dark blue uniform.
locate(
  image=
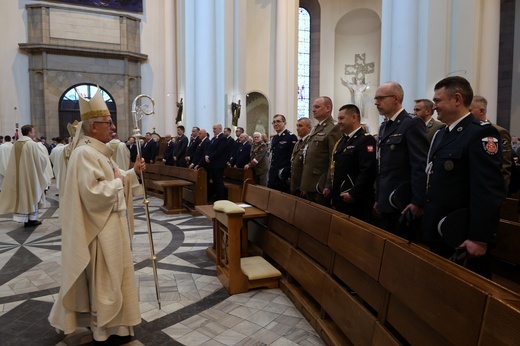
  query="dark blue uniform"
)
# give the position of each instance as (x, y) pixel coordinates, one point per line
(464, 172)
(281, 151)
(402, 148)
(354, 158)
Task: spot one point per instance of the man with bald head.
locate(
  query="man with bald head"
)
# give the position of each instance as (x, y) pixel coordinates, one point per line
(402, 150)
(318, 151)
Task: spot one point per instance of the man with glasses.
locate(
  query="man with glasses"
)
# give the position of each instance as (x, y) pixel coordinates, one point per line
(98, 288)
(402, 150)
(282, 145)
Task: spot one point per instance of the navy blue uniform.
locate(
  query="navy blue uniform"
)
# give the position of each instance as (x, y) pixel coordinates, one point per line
(464, 172)
(281, 151)
(354, 157)
(402, 149)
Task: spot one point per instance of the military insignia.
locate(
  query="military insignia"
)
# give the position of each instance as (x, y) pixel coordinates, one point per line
(282, 142)
(370, 148)
(392, 147)
(320, 134)
(395, 135)
(459, 129)
(350, 147)
(449, 165)
(490, 145)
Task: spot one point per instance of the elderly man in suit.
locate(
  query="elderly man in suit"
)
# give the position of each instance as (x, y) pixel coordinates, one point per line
(318, 151)
(402, 150)
(216, 158)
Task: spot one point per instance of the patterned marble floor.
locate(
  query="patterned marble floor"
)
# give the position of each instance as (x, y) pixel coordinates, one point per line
(196, 310)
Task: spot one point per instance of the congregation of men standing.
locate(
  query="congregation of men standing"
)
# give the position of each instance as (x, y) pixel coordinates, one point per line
(437, 182)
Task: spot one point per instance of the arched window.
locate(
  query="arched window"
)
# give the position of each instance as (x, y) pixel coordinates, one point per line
(304, 62)
(69, 105)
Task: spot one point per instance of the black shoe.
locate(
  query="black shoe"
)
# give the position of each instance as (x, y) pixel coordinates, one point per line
(32, 223)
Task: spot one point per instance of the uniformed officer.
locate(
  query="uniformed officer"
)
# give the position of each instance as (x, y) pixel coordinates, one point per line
(303, 128)
(318, 150)
(478, 108)
(282, 145)
(402, 149)
(463, 169)
(353, 167)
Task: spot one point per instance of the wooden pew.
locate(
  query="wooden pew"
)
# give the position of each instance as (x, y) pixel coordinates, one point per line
(234, 179)
(509, 210)
(193, 194)
(357, 284)
(236, 273)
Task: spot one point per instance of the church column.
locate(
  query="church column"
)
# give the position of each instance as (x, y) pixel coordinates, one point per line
(399, 48)
(170, 66)
(487, 72)
(239, 91)
(284, 97)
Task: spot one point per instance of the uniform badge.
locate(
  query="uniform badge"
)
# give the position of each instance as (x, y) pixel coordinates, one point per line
(490, 145)
(392, 147)
(370, 148)
(449, 165)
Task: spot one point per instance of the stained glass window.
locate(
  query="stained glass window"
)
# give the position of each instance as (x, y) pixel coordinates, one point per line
(304, 62)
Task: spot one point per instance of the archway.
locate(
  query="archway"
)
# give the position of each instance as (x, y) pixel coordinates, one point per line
(69, 105)
(257, 113)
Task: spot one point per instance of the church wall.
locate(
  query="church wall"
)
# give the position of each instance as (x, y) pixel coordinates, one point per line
(14, 93)
(260, 54)
(358, 33)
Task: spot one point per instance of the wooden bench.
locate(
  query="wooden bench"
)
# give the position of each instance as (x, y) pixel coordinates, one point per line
(234, 179)
(172, 195)
(236, 273)
(357, 284)
(193, 194)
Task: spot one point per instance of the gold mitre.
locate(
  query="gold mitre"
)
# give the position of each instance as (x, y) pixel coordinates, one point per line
(94, 108)
(72, 128)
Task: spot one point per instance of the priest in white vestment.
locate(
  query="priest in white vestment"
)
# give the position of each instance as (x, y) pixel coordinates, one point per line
(121, 154)
(5, 152)
(25, 182)
(56, 156)
(98, 288)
